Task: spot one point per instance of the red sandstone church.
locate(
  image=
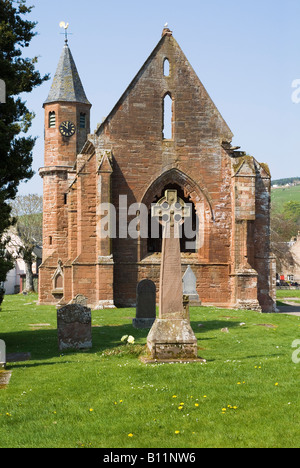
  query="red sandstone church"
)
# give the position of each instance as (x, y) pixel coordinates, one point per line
(132, 156)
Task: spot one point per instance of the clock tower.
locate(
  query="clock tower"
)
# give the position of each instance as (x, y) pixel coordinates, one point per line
(67, 124)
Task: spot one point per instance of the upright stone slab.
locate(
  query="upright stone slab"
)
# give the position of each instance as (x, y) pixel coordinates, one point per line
(145, 304)
(2, 354)
(74, 327)
(189, 287)
(171, 337)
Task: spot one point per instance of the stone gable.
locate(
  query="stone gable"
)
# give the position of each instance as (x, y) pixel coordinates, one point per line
(129, 158)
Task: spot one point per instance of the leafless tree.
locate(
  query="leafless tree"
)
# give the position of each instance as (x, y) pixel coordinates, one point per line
(28, 213)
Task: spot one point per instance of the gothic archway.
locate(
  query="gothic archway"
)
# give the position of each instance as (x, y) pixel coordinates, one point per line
(187, 243)
(190, 192)
(194, 191)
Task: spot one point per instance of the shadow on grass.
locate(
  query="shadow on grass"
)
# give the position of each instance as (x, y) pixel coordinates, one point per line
(42, 344)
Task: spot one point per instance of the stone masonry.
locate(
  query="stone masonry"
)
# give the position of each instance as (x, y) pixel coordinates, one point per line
(128, 156)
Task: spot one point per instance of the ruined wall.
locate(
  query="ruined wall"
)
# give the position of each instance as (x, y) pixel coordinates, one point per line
(193, 158)
(129, 156)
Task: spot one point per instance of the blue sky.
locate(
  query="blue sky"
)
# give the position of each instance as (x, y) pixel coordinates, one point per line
(246, 53)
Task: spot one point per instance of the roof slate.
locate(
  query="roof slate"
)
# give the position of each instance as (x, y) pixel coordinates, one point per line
(66, 84)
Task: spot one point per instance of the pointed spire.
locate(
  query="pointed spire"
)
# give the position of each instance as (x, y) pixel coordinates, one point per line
(66, 84)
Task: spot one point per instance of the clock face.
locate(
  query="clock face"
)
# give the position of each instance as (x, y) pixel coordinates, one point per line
(67, 128)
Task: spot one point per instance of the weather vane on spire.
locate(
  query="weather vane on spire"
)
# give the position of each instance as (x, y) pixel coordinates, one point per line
(64, 25)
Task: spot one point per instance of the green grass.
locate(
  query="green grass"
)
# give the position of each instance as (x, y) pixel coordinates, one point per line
(97, 397)
(286, 293)
(280, 196)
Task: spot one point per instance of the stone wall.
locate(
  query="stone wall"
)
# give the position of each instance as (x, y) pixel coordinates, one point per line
(128, 156)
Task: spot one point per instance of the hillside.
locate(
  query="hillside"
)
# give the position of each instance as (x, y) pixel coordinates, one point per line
(290, 180)
(282, 195)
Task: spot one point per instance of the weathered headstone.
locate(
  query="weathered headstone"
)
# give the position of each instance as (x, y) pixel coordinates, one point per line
(74, 327)
(145, 304)
(189, 287)
(2, 354)
(171, 337)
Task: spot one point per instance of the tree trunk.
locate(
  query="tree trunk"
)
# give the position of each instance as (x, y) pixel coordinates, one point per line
(29, 276)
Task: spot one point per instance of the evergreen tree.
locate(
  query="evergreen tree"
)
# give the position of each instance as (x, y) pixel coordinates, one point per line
(19, 75)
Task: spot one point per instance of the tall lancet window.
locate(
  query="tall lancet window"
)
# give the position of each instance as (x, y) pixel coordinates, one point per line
(167, 117)
(166, 67)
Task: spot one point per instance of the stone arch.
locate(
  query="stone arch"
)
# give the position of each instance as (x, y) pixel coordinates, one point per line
(192, 192)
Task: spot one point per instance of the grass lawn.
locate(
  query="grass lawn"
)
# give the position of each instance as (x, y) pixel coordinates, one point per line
(287, 293)
(245, 395)
(280, 196)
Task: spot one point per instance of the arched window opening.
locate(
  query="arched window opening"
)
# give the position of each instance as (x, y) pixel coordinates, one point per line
(154, 243)
(167, 117)
(59, 282)
(166, 67)
(52, 120)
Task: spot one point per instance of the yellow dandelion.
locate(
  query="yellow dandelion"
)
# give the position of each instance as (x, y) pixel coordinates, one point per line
(121, 401)
(180, 407)
(130, 435)
(91, 409)
(276, 385)
(177, 432)
(174, 396)
(204, 396)
(196, 404)
(181, 404)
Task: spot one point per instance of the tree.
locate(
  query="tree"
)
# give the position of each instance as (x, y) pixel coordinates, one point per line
(20, 76)
(6, 262)
(283, 228)
(28, 211)
(291, 211)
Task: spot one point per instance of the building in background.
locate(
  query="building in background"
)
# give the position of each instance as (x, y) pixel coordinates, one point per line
(15, 280)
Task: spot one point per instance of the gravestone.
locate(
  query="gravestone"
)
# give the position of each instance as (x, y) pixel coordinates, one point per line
(171, 337)
(145, 304)
(189, 287)
(2, 354)
(74, 327)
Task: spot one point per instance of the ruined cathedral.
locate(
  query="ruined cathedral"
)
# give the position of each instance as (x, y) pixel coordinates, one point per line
(134, 153)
